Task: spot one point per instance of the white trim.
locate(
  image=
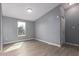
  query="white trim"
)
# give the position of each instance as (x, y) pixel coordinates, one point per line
(54, 44)
(21, 35)
(72, 44)
(17, 28)
(17, 41)
(32, 38)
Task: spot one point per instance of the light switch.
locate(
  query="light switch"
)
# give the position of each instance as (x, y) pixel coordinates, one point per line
(57, 16)
(73, 27)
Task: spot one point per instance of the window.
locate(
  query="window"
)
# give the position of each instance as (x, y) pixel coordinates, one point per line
(21, 28)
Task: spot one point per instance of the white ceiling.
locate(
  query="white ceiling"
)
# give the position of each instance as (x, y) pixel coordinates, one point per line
(18, 10)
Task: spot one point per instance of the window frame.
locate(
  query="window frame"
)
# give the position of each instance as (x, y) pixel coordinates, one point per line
(24, 29)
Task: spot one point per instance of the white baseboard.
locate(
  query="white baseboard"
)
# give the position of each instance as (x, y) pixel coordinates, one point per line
(72, 44)
(16, 41)
(54, 44)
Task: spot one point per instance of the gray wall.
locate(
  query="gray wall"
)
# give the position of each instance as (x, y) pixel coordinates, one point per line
(0, 24)
(48, 26)
(10, 30)
(62, 25)
(72, 24)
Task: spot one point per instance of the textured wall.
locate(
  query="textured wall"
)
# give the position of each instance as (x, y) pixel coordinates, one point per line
(72, 24)
(48, 26)
(0, 25)
(10, 30)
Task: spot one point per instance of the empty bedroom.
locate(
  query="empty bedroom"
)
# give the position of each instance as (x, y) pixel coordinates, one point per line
(39, 29)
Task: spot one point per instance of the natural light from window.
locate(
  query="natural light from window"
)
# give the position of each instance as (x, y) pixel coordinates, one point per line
(21, 28)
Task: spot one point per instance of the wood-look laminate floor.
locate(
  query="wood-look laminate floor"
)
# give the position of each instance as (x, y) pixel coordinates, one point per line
(37, 48)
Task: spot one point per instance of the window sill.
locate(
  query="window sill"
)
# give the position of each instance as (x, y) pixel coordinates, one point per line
(21, 35)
